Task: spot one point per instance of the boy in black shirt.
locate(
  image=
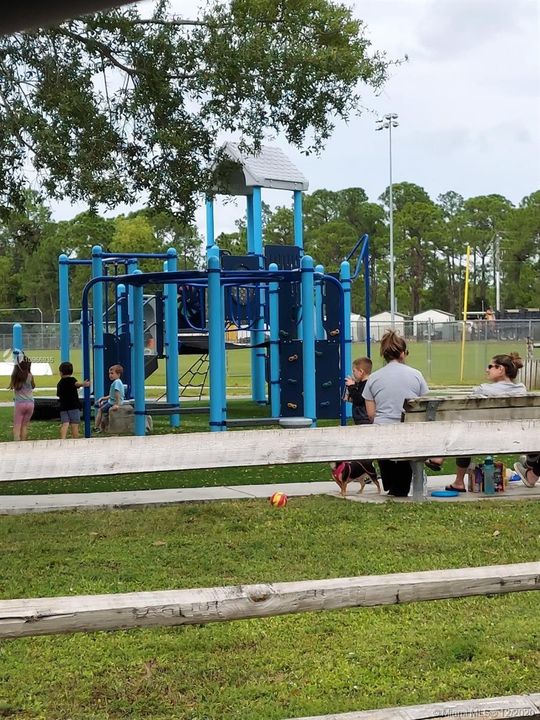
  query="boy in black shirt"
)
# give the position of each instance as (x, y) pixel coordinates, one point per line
(355, 387)
(70, 406)
(363, 470)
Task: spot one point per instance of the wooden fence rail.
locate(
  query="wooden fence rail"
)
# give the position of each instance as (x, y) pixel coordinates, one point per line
(108, 456)
(499, 708)
(46, 616)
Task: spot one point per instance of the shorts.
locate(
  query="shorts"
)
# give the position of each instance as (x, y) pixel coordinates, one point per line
(23, 411)
(73, 417)
(107, 405)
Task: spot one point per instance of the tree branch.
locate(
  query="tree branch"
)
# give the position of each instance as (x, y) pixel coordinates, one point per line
(166, 23)
(92, 43)
(15, 130)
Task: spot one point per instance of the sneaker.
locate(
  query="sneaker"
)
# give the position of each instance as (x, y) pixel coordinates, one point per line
(523, 473)
(97, 430)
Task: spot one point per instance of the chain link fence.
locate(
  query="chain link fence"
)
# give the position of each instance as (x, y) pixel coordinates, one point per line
(478, 330)
(39, 336)
(435, 347)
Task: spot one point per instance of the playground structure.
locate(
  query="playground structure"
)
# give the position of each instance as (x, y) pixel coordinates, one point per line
(297, 317)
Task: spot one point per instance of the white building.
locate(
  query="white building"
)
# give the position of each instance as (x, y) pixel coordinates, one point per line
(358, 328)
(380, 323)
(430, 323)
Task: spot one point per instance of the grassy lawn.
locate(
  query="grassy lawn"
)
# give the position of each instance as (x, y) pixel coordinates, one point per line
(281, 667)
(439, 362)
(276, 668)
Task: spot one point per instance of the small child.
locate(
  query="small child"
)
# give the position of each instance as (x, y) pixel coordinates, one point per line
(70, 406)
(22, 384)
(114, 399)
(343, 471)
(355, 387)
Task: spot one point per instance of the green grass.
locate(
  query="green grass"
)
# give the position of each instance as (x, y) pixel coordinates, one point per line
(275, 668)
(282, 667)
(439, 362)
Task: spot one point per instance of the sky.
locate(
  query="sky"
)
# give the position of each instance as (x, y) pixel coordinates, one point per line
(468, 101)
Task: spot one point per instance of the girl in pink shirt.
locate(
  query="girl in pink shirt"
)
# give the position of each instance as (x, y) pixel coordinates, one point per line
(22, 384)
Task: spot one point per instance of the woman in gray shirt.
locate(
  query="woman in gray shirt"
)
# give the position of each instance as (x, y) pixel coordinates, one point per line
(384, 393)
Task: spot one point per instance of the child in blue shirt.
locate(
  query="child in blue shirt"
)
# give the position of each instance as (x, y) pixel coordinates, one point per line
(114, 399)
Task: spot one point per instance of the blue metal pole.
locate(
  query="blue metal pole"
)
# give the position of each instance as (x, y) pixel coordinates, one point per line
(171, 336)
(132, 268)
(210, 231)
(258, 357)
(63, 295)
(298, 220)
(120, 311)
(85, 326)
(97, 301)
(249, 224)
(308, 338)
(367, 290)
(137, 369)
(319, 309)
(345, 278)
(214, 252)
(216, 339)
(273, 302)
(17, 341)
(223, 358)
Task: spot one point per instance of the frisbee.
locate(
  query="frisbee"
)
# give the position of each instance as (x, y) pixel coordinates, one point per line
(444, 493)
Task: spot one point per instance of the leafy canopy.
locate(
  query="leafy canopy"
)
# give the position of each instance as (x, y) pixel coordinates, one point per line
(114, 107)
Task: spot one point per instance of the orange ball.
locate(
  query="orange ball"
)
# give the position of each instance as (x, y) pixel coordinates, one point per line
(278, 499)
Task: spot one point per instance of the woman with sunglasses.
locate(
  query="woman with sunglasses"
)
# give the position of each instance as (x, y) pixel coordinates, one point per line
(501, 371)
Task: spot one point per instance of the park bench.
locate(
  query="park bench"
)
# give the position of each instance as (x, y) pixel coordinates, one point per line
(506, 411)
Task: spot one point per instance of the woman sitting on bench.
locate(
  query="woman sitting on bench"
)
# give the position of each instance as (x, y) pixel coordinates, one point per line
(384, 393)
(502, 372)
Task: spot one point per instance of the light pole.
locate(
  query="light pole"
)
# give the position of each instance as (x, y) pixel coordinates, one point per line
(387, 123)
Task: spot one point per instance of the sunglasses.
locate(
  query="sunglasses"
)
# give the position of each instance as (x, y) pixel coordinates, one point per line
(492, 366)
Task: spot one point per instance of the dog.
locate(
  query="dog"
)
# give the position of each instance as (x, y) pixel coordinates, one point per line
(361, 471)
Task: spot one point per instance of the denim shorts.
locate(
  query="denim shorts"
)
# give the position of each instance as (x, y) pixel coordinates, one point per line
(107, 405)
(73, 417)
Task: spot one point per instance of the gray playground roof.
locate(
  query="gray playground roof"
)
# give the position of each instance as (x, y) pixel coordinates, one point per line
(29, 14)
(240, 171)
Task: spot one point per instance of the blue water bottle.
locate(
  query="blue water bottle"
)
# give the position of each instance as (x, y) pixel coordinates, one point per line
(489, 485)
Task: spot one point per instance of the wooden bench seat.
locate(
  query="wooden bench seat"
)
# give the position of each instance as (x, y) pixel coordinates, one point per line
(506, 408)
(427, 409)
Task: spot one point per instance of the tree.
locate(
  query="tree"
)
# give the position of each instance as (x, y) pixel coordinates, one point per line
(448, 286)
(279, 228)
(403, 193)
(21, 233)
(520, 251)
(418, 229)
(172, 232)
(112, 107)
(483, 217)
(334, 221)
(39, 278)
